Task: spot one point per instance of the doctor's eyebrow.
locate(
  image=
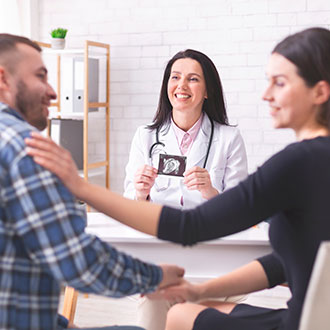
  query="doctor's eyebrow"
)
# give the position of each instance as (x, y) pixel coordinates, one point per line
(189, 74)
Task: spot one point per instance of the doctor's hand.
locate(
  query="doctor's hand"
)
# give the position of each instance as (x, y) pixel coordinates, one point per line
(144, 179)
(198, 178)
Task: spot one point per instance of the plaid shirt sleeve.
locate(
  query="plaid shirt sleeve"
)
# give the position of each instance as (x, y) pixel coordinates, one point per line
(51, 228)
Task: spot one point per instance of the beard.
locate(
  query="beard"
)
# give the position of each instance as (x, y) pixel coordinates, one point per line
(30, 105)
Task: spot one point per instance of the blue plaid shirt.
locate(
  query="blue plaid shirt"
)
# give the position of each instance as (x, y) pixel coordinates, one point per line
(43, 243)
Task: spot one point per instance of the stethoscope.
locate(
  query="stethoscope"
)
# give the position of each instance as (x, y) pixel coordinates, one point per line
(158, 143)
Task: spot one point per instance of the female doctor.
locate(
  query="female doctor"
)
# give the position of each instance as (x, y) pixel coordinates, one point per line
(190, 121)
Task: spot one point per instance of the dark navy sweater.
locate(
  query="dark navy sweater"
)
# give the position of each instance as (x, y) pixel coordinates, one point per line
(293, 188)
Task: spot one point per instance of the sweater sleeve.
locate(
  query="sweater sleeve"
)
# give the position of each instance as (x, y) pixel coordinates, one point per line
(273, 269)
(271, 189)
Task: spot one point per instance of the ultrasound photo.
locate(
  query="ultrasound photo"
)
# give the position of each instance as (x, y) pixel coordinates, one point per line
(171, 165)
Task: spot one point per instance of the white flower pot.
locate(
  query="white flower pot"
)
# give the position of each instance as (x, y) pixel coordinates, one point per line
(58, 43)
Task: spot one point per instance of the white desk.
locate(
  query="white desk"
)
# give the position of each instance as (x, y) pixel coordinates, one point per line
(203, 261)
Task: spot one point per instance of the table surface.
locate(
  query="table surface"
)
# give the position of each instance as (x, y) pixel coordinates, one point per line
(111, 230)
(202, 261)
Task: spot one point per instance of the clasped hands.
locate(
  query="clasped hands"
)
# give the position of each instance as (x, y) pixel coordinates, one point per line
(174, 287)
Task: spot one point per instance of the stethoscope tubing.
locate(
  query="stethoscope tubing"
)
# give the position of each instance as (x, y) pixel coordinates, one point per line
(163, 144)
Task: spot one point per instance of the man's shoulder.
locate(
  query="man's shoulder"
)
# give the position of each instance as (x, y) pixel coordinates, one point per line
(13, 131)
(12, 127)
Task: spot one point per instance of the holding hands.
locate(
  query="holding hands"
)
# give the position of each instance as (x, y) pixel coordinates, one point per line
(178, 293)
(198, 178)
(144, 179)
(172, 275)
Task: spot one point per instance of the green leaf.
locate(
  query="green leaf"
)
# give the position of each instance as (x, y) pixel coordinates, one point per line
(59, 33)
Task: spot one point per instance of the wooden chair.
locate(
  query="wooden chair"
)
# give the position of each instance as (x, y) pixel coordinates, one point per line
(316, 309)
(70, 303)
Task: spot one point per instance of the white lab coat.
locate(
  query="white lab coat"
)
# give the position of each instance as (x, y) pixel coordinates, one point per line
(226, 164)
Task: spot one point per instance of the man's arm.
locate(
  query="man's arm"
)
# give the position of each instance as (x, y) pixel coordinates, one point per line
(52, 229)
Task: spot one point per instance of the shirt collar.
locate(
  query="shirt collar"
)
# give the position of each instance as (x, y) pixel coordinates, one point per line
(193, 131)
(5, 108)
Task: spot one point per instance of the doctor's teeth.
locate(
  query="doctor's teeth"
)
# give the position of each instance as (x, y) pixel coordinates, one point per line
(181, 96)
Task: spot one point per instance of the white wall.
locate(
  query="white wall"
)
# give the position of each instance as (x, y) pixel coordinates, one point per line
(237, 35)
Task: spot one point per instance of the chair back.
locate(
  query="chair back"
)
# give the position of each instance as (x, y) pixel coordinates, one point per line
(316, 309)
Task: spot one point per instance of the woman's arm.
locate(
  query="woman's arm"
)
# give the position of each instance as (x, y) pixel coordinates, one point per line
(273, 188)
(142, 216)
(261, 195)
(139, 215)
(246, 279)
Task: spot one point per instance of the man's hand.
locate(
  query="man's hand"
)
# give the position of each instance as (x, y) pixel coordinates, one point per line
(172, 275)
(185, 291)
(180, 293)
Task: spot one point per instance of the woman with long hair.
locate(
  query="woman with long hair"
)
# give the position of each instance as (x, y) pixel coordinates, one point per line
(190, 124)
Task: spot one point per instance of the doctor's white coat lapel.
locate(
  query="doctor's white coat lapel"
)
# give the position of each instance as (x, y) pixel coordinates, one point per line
(167, 136)
(198, 151)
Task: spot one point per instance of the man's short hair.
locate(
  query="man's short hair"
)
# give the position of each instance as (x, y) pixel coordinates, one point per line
(9, 54)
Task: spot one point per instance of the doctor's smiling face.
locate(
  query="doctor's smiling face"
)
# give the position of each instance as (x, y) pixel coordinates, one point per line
(191, 85)
(186, 87)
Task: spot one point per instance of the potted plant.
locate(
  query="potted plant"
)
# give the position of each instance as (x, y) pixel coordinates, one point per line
(58, 38)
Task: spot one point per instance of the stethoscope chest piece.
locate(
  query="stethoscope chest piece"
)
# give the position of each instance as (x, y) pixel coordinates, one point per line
(161, 144)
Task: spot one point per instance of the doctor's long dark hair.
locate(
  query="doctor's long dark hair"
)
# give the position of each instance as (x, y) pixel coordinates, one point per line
(214, 105)
(309, 51)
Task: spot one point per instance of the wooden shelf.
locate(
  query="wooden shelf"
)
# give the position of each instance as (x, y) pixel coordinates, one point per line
(72, 52)
(86, 52)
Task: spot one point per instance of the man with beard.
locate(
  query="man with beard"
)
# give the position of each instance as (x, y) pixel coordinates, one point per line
(43, 243)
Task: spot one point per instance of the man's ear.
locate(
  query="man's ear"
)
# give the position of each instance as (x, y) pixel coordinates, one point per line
(4, 84)
(322, 92)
